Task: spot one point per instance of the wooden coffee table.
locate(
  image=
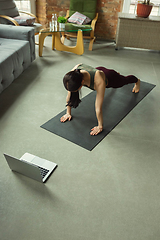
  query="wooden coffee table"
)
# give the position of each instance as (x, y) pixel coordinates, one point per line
(57, 43)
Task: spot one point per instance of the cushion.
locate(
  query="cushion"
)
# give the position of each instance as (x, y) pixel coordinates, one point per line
(8, 8)
(79, 18)
(25, 20)
(15, 58)
(86, 7)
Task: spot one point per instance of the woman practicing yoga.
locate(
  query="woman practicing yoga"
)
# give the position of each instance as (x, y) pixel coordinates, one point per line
(97, 79)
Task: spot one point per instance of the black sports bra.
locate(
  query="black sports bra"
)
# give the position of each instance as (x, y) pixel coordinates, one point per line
(91, 71)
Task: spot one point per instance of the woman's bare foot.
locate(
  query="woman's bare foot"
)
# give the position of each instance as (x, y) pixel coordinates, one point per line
(136, 87)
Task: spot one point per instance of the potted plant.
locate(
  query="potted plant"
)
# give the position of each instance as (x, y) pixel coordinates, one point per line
(62, 20)
(144, 8)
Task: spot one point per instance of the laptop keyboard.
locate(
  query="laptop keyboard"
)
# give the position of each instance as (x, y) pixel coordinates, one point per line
(43, 171)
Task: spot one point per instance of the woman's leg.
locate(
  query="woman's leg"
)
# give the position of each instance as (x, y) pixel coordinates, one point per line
(116, 80)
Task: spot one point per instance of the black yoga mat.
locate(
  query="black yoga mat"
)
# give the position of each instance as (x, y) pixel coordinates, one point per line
(117, 104)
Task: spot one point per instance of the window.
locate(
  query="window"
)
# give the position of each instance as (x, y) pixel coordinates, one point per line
(23, 5)
(131, 5)
(26, 5)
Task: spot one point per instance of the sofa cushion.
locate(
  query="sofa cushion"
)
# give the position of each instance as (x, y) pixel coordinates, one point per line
(14, 59)
(86, 7)
(25, 20)
(8, 8)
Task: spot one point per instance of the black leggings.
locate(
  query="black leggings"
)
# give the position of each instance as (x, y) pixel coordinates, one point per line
(115, 80)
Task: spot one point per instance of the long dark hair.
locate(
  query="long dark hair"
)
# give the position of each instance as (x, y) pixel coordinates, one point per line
(72, 82)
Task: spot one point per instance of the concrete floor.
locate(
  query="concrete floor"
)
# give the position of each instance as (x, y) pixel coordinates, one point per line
(109, 193)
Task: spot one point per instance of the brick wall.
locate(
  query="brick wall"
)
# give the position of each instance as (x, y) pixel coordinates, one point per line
(107, 9)
(108, 16)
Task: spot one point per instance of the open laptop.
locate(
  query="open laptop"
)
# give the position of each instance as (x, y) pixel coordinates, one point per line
(31, 166)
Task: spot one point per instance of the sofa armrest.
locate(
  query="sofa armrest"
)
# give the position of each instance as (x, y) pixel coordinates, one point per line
(20, 33)
(16, 32)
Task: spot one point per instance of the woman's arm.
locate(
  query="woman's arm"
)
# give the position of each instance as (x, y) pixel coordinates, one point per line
(100, 86)
(67, 116)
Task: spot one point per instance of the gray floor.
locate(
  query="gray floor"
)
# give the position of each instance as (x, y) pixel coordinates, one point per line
(112, 192)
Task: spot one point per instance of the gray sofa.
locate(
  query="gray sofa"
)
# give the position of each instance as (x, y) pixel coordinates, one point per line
(17, 51)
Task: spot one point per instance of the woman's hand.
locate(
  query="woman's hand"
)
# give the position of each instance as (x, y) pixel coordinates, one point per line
(96, 130)
(66, 117)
